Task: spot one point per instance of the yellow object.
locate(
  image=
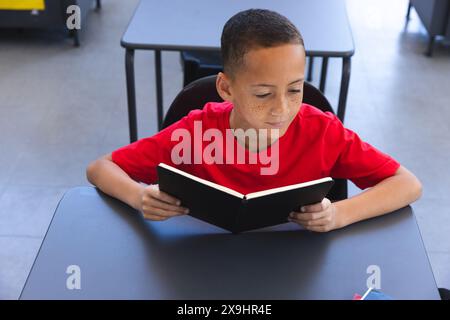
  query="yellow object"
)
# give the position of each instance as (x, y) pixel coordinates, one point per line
(22, 5)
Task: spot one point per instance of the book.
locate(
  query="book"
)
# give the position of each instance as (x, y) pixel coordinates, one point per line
(236, 212)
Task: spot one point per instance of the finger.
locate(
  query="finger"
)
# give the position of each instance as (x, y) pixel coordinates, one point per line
(161, 195)
(313, 223)
(167, 198)
(155, 203)
(161, 212)
(318, 229)
(154, 217)
(308, 216)
(322, 228)
(317, 207)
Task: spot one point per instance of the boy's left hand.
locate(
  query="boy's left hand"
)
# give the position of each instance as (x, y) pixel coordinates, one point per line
(318, 217)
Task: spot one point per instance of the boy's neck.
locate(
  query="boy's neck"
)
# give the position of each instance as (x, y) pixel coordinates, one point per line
(246, 143)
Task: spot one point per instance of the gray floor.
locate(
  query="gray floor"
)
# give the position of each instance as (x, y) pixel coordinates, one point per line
(61, 107)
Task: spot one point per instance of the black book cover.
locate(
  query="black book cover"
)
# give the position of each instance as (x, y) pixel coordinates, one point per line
(233, 211)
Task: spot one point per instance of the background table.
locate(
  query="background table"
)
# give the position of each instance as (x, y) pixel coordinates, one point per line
(178, 25)
(123, 256)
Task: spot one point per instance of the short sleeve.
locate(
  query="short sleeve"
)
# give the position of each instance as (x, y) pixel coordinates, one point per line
(357, 160)
(140, 159)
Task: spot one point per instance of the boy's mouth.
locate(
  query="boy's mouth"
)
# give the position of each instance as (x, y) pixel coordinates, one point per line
(277, 124)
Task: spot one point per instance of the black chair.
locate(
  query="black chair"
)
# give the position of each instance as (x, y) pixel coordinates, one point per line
(201, 91)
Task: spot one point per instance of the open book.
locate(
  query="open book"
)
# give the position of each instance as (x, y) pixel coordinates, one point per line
(236, 212)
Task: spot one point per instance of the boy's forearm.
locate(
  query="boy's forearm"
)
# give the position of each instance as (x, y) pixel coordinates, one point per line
(112, 180)
(390, 194)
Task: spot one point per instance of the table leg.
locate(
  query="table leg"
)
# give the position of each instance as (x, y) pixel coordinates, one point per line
(323, 74)
(345, 81)
(430, 46)
(159, 90)
(310, 69)
(408, 12)
(76, 38)
(131, 94)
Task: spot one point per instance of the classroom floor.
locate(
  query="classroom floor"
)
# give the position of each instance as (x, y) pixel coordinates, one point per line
(61, 107)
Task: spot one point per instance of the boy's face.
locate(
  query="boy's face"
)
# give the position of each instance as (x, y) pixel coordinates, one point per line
(267, 91)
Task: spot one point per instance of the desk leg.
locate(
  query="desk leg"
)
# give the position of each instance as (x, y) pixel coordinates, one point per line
(76, 38)
(345, 81)
(408, 12)
(323, 74)
(159, 90)
(131, 94)
(429, 51)
(310, 69)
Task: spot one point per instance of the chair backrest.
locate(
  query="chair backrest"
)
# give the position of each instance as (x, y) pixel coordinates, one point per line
(196, 94)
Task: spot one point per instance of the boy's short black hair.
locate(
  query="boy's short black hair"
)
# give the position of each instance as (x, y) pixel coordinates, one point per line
(255, 28)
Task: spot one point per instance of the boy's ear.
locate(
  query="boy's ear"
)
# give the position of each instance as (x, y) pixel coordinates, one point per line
(223, 87)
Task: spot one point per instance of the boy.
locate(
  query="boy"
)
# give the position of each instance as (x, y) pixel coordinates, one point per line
(264, 61)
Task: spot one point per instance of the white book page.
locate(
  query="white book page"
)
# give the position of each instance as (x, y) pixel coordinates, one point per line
(203, 181)
(287, 188)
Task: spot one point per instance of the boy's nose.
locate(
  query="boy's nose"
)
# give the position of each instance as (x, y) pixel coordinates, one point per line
(280, 109)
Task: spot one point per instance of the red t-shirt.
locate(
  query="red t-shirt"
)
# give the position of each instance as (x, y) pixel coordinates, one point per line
(316, 145)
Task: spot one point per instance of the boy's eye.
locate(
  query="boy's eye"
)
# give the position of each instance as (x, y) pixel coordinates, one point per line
(262, 95)
(295, 91)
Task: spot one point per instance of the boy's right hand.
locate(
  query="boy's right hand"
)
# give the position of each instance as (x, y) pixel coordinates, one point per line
(157, 205)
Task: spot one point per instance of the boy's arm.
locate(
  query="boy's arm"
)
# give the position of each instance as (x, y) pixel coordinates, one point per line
(112, 180)
(388, 195)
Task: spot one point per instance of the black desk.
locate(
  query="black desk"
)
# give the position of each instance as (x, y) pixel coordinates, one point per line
(123, 256)
(177, 25)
